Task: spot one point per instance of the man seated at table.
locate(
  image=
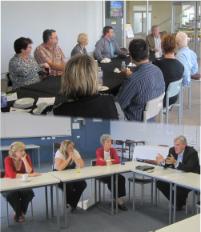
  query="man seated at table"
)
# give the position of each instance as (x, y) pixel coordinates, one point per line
(154, 43)
(181, 157)
(144, 84)
(107, 46)
(49, 52)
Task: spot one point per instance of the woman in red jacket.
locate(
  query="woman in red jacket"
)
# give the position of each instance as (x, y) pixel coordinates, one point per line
(18, 163)
(107, 155)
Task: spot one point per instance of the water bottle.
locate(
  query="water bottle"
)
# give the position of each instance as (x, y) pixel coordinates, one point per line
(3, 100)
(100, 76)
(123, 65)
(124, 148)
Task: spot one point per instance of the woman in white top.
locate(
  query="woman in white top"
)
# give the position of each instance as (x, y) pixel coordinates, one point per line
(67, 157)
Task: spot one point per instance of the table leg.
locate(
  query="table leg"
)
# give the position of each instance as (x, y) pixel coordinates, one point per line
(116, 192)
(175, 202)
(156, 193)
(95, 191)
(46, 202)
(39, 158)
(112, 192)
(52, 202)
(133, 191)
(65, 203)
(170, 205)
(58, 213)
(194, 202)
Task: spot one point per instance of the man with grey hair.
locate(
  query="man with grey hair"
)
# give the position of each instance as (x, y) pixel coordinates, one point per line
(181, 157)
(154, 43)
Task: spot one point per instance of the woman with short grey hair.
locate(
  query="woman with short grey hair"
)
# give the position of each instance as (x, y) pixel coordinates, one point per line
(80, 47)
(107, 155)
(79, 88)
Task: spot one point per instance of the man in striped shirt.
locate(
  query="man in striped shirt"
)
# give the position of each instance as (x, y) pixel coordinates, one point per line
(49, 52)
(144, 84)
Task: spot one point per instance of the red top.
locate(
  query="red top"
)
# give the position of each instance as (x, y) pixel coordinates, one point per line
(10, 170)
(100, 156)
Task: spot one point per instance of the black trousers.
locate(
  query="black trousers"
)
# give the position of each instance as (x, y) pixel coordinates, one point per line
(121, 184)
(19, 200)
(74, 191)
(182, 193)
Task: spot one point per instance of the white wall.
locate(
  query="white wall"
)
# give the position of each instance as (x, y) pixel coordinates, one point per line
(155, 134)
(30, 19)
(22, 125)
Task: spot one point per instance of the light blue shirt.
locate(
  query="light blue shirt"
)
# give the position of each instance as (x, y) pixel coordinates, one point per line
(189, 60)
(179, 159)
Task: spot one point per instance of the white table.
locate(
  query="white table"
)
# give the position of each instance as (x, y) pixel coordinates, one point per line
(28, 147)
(44, 180)
(172, 176)
(71, 175)
(186, 225)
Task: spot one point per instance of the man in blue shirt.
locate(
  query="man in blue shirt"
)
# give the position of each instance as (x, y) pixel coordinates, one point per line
(187, 57)
(144, 84)
(107, 46)
(181, 157)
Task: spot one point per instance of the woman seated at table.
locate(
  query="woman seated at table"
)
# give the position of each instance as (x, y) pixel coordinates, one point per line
(107, 155)
(171, 68)
(17, 164)
(23, 68)
(80, 48)
(67, 157)
(79, 86)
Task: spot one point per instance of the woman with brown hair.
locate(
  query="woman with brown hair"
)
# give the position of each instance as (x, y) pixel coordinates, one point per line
(171, 68)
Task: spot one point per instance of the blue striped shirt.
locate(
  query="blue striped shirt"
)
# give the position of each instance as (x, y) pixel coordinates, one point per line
(146, 83)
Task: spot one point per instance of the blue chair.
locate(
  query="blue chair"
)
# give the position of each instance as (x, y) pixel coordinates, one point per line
(174, 89)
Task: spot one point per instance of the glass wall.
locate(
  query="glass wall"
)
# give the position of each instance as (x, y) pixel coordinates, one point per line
(171, 16)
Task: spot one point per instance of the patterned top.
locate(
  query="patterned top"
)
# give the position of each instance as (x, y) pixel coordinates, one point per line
(43, 54)
(146, 83)
(23, 72)
(78, 50)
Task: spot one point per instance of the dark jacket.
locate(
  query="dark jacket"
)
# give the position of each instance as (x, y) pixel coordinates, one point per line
(190, 162)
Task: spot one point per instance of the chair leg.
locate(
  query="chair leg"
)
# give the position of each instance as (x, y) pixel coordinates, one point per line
(103, 192)
(167, 109)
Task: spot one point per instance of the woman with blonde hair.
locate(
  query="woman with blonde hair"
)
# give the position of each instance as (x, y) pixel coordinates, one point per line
(18, 163)
(80, 47)
(67, 157)
(79, 86)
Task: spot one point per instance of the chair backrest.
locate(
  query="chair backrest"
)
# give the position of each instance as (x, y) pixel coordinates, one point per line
(149, 151)
(153, 107)
(174, 88)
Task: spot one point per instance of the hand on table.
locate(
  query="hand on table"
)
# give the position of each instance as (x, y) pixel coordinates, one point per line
(34, 174)
(159, 159)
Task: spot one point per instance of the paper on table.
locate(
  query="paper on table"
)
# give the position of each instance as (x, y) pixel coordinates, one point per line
(48, 100)
(11, 96)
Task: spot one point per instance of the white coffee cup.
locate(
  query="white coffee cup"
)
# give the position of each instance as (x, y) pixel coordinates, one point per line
(25, 177)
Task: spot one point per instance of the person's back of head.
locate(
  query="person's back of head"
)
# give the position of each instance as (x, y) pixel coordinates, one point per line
(168, 44)
(182, 39)
(80, 77)
(138, 50)
(47, 34)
